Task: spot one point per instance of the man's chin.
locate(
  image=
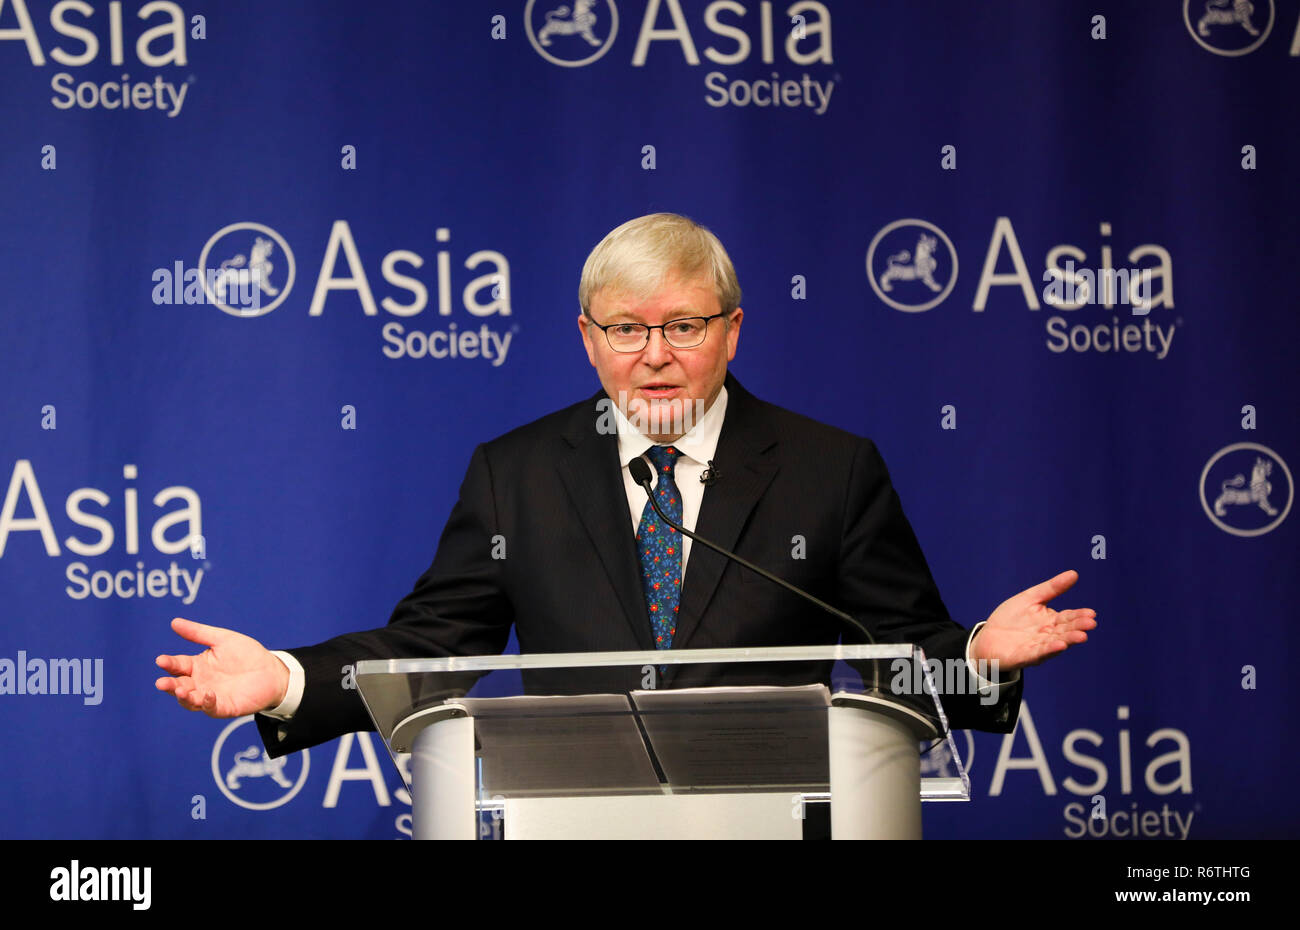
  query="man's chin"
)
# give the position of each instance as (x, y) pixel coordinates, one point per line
(662, 419)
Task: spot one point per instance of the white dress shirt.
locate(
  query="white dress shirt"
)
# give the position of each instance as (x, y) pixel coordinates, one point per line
(697, 447)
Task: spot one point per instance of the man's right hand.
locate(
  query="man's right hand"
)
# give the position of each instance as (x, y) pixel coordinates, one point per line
(236, 675)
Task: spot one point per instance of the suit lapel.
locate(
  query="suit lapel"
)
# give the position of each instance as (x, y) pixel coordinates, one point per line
(746, 469)
(590, 471)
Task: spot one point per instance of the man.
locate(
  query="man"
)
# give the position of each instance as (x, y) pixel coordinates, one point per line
(589, 565)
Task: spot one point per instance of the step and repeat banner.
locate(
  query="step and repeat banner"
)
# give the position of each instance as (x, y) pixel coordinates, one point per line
(270, 271)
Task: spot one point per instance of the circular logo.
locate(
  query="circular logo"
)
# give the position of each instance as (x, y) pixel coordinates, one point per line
(247, 280)
(1246, 489)
(564, 33)
(905, 268)
(1227, 27)
(252, 780)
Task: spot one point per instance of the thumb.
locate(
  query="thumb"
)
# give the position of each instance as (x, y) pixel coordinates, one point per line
(1044, 591)
(199, 633)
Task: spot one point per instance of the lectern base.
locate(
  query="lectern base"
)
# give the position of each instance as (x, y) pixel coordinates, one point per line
(657, 817)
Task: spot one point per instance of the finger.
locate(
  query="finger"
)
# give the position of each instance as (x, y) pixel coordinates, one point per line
(1044, 591)
(195, 699)
(184, 698)
(1058, 644)
(1085, 620)
(166, 684)
(177, 665)
(1081, 619)
(199, 633)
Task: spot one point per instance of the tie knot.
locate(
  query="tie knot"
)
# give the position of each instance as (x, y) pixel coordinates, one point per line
(664, 458)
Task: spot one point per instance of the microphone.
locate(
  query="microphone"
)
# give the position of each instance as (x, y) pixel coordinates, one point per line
(641, 475)
(710, 475)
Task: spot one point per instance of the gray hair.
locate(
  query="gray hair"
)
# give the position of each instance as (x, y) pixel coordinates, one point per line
(638, 256)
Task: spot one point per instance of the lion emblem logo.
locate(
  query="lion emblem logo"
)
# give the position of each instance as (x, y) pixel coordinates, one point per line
(249, 778)
(255, 763)
(577, 19)
(931, 261)
(902, 268)
(245, 278)
(561, 22)
(1246, 506)
(1218, 13)
(253, 280)
(1233, 491)
(1229, 27)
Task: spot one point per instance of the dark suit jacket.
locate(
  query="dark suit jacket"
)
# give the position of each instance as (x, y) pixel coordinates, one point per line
(569, 582)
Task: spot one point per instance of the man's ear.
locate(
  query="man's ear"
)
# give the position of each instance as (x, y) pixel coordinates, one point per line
(584, 326)
(733, 332)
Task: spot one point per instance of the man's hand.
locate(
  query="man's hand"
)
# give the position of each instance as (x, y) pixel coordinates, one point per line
(235, 676)
(1024, 631)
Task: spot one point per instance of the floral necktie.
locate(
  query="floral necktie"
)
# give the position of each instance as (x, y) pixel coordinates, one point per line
(660, 548)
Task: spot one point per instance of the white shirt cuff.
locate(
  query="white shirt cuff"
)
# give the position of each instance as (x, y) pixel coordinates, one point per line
(298, 681)
(984, 683)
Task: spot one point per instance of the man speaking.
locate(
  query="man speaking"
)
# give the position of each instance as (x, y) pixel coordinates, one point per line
(591, 566)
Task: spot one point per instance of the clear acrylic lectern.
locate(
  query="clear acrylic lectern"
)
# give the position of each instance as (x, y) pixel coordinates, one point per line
(519, 746)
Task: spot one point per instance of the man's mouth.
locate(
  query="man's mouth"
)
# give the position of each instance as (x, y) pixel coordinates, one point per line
(658, 390)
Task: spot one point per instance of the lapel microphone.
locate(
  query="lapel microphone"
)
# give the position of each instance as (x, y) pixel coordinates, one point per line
(710, 475)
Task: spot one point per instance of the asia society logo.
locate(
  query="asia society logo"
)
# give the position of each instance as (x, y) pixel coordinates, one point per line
(135, 50)
(1102, 301)
(794, 48)
(1246, 489)
(571, 35)
(250, 778)
(246, 269)
(1228, 27)
(912, 265)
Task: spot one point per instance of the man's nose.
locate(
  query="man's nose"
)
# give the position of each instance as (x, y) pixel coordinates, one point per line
(657, 352)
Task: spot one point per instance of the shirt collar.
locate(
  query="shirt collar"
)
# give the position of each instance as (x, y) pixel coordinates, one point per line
(700, 442)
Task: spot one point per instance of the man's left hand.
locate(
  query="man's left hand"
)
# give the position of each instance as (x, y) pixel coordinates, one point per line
(1024, 631)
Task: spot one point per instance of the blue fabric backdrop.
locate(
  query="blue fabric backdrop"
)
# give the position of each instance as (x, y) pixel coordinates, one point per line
(402, 159)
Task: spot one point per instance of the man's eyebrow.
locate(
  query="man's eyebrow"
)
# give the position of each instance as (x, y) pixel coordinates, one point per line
(677, 314)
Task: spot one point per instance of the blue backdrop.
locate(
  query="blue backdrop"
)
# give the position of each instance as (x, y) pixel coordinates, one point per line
(241, 242)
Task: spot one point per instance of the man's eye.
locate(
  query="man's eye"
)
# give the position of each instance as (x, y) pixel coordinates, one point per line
(684, 327)
(626, 329)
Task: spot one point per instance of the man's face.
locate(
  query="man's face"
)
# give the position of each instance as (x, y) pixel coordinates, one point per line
(660, 379)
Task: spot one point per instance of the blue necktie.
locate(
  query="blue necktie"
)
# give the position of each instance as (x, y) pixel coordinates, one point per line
(660, 548)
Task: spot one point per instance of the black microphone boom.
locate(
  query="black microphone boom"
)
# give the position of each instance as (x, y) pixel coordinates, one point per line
(641, 475)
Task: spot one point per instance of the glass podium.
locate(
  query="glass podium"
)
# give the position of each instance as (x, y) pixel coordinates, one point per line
(608, 745)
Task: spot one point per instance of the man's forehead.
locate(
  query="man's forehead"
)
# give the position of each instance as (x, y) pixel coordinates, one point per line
(695, 298)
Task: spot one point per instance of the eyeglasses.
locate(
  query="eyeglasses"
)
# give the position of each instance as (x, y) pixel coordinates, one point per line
(685, 333)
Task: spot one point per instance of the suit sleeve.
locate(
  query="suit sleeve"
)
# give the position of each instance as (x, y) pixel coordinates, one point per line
(458, 607)
(885, 582)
